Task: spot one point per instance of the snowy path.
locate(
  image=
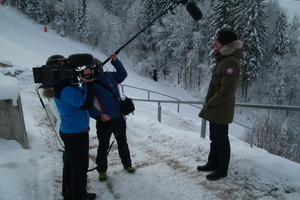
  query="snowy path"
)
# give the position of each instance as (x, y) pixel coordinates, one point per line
(165, 164)
(165, 161)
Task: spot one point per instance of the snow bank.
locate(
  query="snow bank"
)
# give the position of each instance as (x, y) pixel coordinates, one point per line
(9, 88)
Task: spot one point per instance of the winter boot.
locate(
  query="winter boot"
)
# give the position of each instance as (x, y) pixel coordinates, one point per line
(205, 168)
(89, 196)
(102, 176)
(129, 169)
(216, 175)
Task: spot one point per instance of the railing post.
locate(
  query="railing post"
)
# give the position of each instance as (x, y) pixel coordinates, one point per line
(148, 95)
(203, 128)
(122, 88)
(159, 112)
(252, 138)
(178, 107)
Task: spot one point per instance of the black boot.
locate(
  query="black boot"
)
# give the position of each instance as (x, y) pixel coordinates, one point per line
(206, 168)
(89, 196)
(216, 175)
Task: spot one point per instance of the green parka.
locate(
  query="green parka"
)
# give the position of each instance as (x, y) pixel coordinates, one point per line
(220, 100)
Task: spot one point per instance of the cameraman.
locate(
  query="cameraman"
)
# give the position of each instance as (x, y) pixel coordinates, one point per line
(109, 118)
(73, 103)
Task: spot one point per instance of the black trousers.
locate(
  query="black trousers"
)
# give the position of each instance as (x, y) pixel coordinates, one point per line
(76, 162)
(219, 154)
(104, 131)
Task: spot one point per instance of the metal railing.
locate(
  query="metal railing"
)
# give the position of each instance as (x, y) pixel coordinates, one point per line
(154, 92)
(192, 103)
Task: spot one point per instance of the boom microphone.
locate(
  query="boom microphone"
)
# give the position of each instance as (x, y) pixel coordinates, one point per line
(194, 11)
(192, 8)
(80, 59)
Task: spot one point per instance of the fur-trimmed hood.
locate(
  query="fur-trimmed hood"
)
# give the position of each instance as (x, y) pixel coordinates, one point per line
(231, 47)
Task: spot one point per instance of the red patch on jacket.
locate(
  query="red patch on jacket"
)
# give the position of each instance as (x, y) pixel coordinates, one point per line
(229, 70)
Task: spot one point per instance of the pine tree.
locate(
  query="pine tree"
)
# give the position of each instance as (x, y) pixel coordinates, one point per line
(32, 7)
(20, 4)
(150, 10)
(150, 37)
(220, 18)
(222, 10)
(281, 41)
(294, 35)
(80, 19)
(92, 28)
(249, 25)
(272, 11)
(64, 22)
(48, 11)
(280, 47)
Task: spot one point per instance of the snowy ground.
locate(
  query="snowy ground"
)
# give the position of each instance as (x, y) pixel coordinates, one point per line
(165, 154)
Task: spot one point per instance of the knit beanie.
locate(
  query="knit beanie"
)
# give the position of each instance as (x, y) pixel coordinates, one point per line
(226, 36)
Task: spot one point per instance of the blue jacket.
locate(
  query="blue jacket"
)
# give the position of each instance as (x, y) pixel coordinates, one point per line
(104, 101)
(69, 101)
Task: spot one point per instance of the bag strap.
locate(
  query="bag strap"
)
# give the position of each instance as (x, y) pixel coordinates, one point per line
(107, 88)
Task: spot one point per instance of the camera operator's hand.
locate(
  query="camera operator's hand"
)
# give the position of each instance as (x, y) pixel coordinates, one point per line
(104, 117)
(114, 57)
(86, 71)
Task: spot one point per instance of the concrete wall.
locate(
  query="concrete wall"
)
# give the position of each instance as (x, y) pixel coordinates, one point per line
(12, 125)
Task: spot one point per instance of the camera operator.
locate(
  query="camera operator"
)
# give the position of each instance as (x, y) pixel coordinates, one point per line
(109, 118)
(73, 102)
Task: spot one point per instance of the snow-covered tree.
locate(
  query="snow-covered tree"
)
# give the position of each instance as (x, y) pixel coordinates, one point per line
(20, 4)
(281, 41)
(272, 11)
(249, 25)
(48, 9)
(64, 22)
(294, 35)
(175, 49)
(275, 71)
(31, 9)
(132, 26)
(222, 14)
(80, 18)
(92, 28)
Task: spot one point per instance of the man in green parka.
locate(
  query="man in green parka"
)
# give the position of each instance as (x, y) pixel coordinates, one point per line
(220, 102)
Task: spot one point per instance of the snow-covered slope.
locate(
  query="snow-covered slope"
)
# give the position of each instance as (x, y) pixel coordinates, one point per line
(165, 154)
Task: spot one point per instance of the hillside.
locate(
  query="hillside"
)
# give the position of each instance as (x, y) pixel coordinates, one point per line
(165, 154)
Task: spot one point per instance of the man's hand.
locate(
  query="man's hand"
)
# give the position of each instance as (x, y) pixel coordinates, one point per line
(105, 117)
(114, 57)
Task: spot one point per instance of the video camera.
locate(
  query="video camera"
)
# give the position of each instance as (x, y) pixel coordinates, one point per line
(59, 68)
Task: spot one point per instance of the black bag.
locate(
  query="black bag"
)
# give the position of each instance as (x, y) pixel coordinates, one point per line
(127, 106)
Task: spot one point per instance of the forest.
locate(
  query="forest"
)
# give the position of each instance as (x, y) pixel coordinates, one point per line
(177, 51)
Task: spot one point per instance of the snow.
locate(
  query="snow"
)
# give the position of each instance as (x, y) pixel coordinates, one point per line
(291, 6)
(165, 154)
(9, 88)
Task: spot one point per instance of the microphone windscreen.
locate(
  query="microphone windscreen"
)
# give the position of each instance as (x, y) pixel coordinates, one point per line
(80, 59)
(194, 11)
